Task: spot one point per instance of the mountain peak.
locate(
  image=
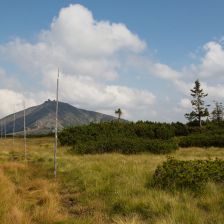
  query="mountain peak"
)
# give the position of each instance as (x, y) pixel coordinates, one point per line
(41, 119)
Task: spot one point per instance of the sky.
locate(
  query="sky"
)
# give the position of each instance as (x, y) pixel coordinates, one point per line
(141, 56)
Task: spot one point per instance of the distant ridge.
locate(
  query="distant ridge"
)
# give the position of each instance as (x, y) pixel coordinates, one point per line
(41, 119)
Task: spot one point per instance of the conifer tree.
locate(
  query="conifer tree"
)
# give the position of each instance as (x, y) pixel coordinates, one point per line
(199, 109)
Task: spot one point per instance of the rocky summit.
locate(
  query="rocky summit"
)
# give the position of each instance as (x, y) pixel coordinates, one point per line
(41, 119)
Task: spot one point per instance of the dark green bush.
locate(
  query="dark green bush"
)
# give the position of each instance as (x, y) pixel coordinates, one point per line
(208, 127)
(178, 175)
(202, 140)
(160, 146)
(126, 146)
(180, 129)
(122, 137)
(112, 130)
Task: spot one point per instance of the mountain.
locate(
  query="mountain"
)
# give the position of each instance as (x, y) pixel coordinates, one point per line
(41, 119)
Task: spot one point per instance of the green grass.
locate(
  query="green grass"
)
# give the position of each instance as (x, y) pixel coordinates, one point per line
(102, 189)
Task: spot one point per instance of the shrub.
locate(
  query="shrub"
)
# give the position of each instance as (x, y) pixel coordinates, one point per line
(126, 146)
(112, 130)
(193, 175)
(123, 137)
(180, 129)
(161, 147)
(202, 140)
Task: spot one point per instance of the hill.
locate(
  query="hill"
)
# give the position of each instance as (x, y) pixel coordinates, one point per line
(41, 119)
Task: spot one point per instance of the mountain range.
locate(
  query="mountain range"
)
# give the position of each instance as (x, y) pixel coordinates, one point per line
(41, 119)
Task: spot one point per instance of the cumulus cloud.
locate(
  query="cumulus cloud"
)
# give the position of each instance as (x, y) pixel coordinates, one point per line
(213, 62)
(77, 44)
(156, 69)
(89, 54)
(210, 73)
(97, 96)
(93, 56)
(92, 38)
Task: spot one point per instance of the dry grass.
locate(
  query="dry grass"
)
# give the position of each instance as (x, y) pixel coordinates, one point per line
(127, 220)
(102, 189)
(28, 198)
(10, 204)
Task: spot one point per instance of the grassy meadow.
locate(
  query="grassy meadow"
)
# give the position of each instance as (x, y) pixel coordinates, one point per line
(98, 189)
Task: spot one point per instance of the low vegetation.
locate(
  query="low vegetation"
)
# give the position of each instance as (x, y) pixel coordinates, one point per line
(111, 188)
(132, 138)
(123, 137)
(203, 140)
(126, 146)
(193, 174)
(115, 129)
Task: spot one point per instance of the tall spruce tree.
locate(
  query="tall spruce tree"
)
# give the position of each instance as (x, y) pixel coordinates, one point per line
(199, 109)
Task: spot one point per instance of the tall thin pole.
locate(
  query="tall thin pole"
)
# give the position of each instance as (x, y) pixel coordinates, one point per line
(56, 130)
(24, 124)
(14, 126)
(1, 129)
(5, 127)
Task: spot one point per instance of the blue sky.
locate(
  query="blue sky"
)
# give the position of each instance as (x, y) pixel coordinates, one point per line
(165, 46)
(174, 28)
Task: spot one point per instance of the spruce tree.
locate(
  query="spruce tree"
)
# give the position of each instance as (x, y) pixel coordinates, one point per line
(199, 109)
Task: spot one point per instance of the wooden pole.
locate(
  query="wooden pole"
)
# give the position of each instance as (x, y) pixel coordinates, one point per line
(14, 125)
(56, 130)
(1, 129)
(5, 127)
(24, 126)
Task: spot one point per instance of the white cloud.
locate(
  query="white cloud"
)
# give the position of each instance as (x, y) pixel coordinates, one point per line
(215, 92)
(213, 62)
(154, 68)
(9, 82)
(93, 55)
(77, 31)
(164, 71)
(89, 54)
(77, 44)
(185, 103)
(86, 93)
(10, 99)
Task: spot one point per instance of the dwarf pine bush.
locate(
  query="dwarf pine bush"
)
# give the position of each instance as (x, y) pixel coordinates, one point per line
(194, 174)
